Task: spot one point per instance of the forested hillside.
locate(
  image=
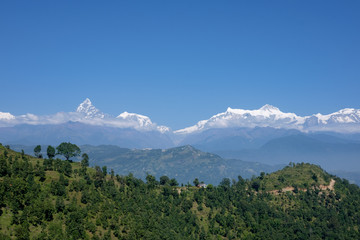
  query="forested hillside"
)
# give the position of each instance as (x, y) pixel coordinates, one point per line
(185, 163)
(56, 199)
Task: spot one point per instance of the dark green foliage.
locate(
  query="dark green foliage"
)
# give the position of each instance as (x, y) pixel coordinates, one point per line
(67, 168)
(99, 177)
(104, 170)
(225, 183)
(4, 168)
(55, 230)
(22, 231)
(196, 182)
(151, 181)
(50, 151)
(75, 228)
(68, 150)
(59, 204)
(37, 151)
(164, 180)
(57, 188)
(173, 182)
(85, 160)
(255, 185)
(48, 164)
(95, 206)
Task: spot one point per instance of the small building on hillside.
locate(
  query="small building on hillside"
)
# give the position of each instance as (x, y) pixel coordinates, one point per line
(202, 185)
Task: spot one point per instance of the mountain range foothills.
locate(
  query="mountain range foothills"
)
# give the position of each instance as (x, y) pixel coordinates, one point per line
(185, 163)
(265, 135)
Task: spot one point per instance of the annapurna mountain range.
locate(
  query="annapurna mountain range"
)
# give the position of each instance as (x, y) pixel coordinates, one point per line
(235, 128)
(266, 135)
(345, 120)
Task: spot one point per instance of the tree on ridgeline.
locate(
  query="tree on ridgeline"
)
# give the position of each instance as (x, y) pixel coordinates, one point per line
(151, 181)
(68, 150)
(196, 182)
(173, 182)
(50, 151)
(164, 180)
(37, 151)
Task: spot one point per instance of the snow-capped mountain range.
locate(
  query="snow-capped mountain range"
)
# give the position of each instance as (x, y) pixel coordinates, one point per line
(265, 135)
(85, 113)
(346, 120)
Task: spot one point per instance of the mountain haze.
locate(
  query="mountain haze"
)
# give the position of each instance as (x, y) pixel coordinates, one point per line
(345, 120)
(265, 135)
(329, 152)
(236, 128)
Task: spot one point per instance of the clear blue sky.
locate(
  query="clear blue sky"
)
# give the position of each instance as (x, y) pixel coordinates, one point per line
(179, 61)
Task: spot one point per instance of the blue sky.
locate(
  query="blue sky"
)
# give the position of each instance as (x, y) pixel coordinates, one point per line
(179, 61)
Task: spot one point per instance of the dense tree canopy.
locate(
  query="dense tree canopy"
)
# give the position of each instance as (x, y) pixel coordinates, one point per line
(53, 199)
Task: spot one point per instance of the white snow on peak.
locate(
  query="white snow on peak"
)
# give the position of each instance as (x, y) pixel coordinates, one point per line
(343, 116)
(348, 111)
(266, 116)
(163, 129)
(6, 116)
(142, 120)
(344, 120)
(269, 108)
(85, 113)
(89, 110)
(265, 111)
(196, 128)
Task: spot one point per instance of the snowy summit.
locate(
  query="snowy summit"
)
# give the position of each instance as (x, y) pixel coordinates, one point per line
(89, 110)
(142, 120)
(266, 116)
(6, 116)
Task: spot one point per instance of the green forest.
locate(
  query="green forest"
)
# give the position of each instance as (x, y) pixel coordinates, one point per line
(49, 198)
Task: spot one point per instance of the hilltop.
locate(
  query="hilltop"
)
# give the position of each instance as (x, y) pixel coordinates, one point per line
(56, 199)
(298, 176)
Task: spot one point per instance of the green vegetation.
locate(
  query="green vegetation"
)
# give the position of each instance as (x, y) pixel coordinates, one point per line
(50, 151)
(295, 175)
(56, 199)
(37, 151)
